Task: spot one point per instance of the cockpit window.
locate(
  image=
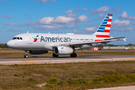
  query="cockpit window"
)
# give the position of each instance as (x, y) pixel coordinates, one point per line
(20, 38)
(17, 38)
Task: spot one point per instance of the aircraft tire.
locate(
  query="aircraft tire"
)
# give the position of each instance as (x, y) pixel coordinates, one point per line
(73, 55)
(54, 55)
(26, 56)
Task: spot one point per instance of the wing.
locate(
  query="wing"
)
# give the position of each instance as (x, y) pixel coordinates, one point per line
(97, 42)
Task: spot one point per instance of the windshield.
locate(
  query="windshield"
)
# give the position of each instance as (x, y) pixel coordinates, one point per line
(17, 38)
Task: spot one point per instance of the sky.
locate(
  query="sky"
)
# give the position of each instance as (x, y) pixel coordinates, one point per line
(66, 16)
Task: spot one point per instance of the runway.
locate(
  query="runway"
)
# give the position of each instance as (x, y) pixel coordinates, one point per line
(49, 60)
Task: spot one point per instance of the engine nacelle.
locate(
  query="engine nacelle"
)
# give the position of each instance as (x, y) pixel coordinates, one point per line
(37, 51)
(63, 50)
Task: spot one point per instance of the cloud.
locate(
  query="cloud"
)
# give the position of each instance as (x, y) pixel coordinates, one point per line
(101, 15)
(46, 20)
(133, 23)
(57, 20)
(64, 20)
(69, 11)
(83, 18)
(91, 28)
(56, 27)
(116, 9)
(100, 10)
(124, 15)
(43, 1)
(69, 14)
(118, 23)
(129, 29)
(9, 16)
(123, 29)
(13, 30)
(12, 24)
(84, 10)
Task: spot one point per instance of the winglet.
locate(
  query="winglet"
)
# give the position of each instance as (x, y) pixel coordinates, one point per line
(125, 39)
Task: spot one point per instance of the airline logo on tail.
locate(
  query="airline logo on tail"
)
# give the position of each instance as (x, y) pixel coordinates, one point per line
(104, 29)
(35, 39)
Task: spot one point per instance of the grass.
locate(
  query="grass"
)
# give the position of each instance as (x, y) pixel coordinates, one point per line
(79, 53)
(69, 76)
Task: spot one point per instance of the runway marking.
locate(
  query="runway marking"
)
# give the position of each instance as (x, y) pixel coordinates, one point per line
(132, 57)
(29, 62)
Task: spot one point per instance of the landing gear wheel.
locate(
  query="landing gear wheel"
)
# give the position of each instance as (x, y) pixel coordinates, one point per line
(26, 54)
(73, 55)
(54, 55)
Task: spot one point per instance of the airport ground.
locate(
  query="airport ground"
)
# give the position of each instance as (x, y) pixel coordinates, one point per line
(68, 76)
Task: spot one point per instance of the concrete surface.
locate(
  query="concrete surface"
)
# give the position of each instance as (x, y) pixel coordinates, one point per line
(116, 88)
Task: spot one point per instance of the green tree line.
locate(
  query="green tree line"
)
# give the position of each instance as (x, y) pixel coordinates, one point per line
(3, 46)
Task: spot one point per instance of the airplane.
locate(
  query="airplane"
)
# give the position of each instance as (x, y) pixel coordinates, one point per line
(63, 44)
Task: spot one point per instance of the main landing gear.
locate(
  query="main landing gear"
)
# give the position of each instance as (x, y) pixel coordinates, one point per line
(26, 54)
(73, 55)
(54, 55)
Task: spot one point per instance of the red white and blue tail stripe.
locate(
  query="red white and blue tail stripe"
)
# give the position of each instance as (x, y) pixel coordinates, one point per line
(104, 29)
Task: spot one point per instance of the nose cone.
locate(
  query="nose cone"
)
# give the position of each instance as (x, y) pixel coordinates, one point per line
(10, 44)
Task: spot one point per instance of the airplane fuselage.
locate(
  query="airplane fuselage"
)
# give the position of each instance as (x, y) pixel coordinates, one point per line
(29, 41)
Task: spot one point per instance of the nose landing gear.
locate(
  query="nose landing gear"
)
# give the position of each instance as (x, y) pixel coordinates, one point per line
(26, 54)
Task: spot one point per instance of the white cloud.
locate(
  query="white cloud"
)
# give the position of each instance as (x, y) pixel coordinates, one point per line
(71, 15)
(84, 10)
(101, 15)
(124, 15)
(91, 28)
(69, 11)
(129, 29)
(57, 26)
(48, 26)
(43, 1)
(123, 29)
(46, 20)
(64, 20)
(119, 23)
(83, 18)
(100, 10)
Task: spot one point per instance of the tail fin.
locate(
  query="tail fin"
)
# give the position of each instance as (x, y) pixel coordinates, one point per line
(104, 29)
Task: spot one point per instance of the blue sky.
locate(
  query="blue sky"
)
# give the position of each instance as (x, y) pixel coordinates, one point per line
(66, 16)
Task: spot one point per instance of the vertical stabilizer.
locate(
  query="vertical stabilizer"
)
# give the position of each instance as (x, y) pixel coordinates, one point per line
(104, 29)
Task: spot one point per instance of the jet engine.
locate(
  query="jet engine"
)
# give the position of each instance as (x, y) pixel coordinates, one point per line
(63, 50)
(37, 51)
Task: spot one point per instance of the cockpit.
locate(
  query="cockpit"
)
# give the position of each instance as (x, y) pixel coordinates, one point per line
(17, 38)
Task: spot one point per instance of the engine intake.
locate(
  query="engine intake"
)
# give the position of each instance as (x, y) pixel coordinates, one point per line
(63, 50)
